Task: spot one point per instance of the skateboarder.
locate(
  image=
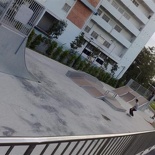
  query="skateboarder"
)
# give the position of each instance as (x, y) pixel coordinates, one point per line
(134, 108)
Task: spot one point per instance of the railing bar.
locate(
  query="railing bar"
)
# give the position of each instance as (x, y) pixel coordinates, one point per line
(124, 143)
(119, 142)
(65, 148)
(43, 151)
(74, 148)
(55, 149)
(99, 146)
(81, 147)
(9, 150)
(94, 147)
(30, 149)
(103, 146)
(107, 146)
(114, 145)
(87, 148)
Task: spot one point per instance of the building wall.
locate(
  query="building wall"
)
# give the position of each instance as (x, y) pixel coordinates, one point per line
(137, 26)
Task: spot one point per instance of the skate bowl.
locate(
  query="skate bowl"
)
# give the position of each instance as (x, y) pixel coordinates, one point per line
(95, 88)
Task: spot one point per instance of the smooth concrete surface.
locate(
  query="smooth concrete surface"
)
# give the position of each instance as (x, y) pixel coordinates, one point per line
(57, 106)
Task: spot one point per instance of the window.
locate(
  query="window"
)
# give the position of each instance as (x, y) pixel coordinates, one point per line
(117, 28)
(66, 7)
(99, 11)
(126, 16)
(120, 10)
(87, 29)
(99, 61)
(86, 52)
(106, 44)
(135, 3)
(106, 18)
(94, 34)
(115, 5)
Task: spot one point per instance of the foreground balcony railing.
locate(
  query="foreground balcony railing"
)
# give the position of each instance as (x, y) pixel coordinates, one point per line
(119, 144)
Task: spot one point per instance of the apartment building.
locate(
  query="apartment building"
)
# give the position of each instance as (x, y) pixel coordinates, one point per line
(114, 30)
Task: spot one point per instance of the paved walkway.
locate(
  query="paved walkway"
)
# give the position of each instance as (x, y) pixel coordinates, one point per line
(57, 106)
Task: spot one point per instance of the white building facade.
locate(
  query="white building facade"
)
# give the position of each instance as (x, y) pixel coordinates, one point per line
(118, 29)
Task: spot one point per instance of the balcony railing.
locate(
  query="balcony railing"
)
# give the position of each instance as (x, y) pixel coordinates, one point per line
(120, 144)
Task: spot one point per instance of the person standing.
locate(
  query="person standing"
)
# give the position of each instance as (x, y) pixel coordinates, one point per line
(134, 108)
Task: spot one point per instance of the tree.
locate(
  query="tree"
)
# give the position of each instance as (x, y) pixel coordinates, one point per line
(145, 62)
(57, 29)
(113, 69)
(78, 42)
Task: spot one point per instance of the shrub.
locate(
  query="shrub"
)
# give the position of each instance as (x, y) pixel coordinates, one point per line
(36, 41)
(71, 59)
(51, 48)
(63, 56)
(57, 52)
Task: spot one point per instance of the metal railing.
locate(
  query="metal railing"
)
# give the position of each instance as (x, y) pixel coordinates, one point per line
(119, 144)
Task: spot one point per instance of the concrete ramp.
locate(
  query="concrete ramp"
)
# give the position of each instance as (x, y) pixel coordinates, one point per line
(12, 54)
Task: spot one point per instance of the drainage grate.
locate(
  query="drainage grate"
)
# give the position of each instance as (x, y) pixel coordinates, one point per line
(105, 117)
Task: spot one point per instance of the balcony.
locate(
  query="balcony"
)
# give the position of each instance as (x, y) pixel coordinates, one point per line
(120, 38)
(135, 11)
(111, 9)
(150, 4)
(129, 26)
(102, 23)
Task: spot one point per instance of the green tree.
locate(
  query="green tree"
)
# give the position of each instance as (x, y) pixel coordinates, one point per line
(78, 42)
(113, 69)
(142, 69)
(57, 28)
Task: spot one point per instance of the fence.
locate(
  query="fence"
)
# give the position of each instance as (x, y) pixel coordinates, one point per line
(20, 15)
(139, 88)
(120, 144)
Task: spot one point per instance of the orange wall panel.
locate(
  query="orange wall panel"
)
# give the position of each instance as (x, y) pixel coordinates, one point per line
(80, 13)
(94, 2)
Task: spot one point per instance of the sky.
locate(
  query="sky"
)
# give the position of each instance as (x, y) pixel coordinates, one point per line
(151, 42)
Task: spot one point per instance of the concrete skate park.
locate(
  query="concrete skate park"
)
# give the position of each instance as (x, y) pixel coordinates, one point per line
(59, 106)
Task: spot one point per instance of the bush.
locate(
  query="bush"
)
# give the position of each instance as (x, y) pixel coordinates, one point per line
(30, 37)
(76, 63)
(57, 52)
(71, 59)
(63, 56)
(36, 41)
(51, 48)
(81, 65)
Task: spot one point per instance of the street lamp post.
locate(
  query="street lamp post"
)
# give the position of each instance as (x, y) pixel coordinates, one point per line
(139, 72)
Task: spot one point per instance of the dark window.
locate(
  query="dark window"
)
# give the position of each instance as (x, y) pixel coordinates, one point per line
(106, 18)
(86, 52)
(99, 61)
(87, 29)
